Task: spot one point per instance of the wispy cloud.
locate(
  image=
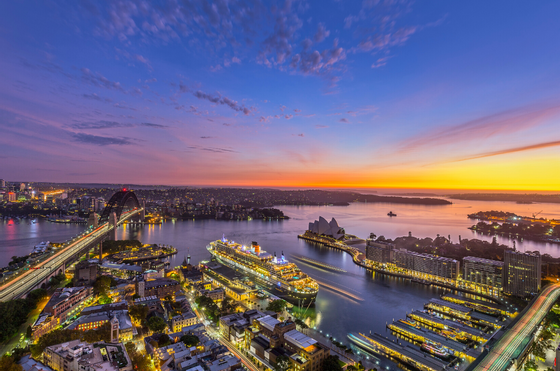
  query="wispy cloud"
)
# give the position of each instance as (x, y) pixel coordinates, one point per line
(510, 150)
(102, 141)
(104, 124)
(344, 120)
(224, 101)
(96, 79)
(505, 122)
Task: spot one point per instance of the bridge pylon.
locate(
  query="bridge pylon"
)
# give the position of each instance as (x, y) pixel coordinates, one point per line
(93, 220)
(113, 222)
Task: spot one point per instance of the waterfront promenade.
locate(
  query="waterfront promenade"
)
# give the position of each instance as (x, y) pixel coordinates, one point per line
(512, 345)
(359, 259)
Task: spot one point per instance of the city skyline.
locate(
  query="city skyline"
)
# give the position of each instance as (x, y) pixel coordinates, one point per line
(371, 94)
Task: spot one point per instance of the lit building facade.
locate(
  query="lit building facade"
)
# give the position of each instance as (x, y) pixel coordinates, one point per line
(426, 265)
(379, 252)
(483, 275)
(522, 273)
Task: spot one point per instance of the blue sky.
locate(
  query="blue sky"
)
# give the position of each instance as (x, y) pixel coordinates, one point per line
(300, 93)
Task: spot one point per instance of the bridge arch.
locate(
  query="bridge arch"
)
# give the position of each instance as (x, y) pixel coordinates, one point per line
(122, 200)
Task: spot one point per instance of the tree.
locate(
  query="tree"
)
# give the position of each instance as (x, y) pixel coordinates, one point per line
(227, 305)
(135, 296)
(209, 308)
(282, 363)
(301, 324)
(331, 363)
(138, 312)
(104, 299)
(357, 367)
(276, 305)
(58, 336)
(164, 340)
(36, 295)
(29, 332)
(156, 324)
(102, 285)
(102, 333)
(7, 363)
(139, 361)
(190, 340)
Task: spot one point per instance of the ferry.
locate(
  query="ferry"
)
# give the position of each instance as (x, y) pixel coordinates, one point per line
(279, 276)
(435, 349)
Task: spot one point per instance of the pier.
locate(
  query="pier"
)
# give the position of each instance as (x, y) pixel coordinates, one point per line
(406, 354)
(442, 324)
(420, 336)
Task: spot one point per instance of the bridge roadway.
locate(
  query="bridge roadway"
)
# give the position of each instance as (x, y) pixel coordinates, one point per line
(27, 281)
(513, 342)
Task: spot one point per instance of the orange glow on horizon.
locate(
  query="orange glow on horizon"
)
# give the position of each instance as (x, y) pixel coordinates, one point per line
(536, 174)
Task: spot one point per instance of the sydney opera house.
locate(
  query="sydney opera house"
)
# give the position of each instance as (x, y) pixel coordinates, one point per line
(322, 227)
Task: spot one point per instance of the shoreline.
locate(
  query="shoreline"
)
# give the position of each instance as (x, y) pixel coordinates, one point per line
(359, 263)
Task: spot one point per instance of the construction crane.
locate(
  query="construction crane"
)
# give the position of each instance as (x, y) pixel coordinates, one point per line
(535, 215)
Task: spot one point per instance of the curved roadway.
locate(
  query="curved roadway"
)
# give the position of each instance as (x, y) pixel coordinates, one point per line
(26, 281)
(512, 343)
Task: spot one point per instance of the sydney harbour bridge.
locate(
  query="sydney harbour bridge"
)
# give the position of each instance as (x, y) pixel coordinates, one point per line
(122, 206)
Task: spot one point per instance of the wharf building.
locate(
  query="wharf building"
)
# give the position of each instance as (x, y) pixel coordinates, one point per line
(407, 354)
(522, 273)
(77, 355)
(228, 279)
(483, 275)
(449, 310)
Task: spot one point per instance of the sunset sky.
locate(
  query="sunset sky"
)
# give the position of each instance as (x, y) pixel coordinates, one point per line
(395, 94)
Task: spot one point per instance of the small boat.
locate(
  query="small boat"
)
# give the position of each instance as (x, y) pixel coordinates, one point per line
(390, 213)
(436, 349)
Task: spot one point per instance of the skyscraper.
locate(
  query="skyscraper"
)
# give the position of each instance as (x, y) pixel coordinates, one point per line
(522, 273)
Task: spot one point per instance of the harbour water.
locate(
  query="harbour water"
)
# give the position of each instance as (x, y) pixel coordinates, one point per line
(348, 302)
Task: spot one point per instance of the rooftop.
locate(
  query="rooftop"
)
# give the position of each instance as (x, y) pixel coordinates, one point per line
(268, 322)
(300, 340)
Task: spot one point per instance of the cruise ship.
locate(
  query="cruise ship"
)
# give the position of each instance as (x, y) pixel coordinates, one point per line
(280, 277)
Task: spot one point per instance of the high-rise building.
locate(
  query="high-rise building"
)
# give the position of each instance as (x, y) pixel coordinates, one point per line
(522, 273)
(483, 271)
(2, 183)
(380, 252)
(483, 275)
(22, 187)
(9, 196)
(425, 264)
